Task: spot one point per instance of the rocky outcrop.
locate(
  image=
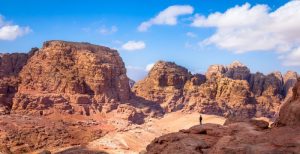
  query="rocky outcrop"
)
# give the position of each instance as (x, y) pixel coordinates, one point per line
(222, 96)
(242, 137)
(289, 79)
(70, 77)
(215, 71)
(238, 135)
(237, 71)
(25, 134)
(10, 66)
(290, 111)
(224, 90)
(164, 85)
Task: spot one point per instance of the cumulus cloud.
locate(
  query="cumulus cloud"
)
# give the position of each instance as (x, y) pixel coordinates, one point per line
(135, 73)
(254, 28)
(149, 67)
(107, 30)
(191, 34)
(167, 17)
(292, 59)
(133, 45)
(11, 32)
(138, 73)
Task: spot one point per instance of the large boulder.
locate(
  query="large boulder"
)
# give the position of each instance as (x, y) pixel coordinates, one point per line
(73, 78)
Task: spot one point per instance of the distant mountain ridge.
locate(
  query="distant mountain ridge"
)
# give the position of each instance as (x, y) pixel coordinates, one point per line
(224, 90)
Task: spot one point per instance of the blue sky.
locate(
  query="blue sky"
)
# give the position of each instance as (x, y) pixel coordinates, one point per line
(261, 36)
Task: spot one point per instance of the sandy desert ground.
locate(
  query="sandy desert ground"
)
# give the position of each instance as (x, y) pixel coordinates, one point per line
(135, 138)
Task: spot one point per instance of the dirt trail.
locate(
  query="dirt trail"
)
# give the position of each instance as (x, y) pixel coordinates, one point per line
(135, 138)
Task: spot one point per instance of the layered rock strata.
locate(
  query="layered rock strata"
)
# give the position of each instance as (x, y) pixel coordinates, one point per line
(66, 77)
(224, 90)
(249, 136)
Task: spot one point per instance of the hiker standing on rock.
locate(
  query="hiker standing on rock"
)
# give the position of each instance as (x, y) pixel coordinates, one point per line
(200, 119)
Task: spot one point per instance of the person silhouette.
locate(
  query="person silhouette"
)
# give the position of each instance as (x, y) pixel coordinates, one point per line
(200, 119)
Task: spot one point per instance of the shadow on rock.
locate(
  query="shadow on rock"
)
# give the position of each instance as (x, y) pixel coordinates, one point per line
(81, 150)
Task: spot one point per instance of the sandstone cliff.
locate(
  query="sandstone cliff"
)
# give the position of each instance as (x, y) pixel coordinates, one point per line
(243, 137)
(49, 93)
(224, 90)
(290, 111)
(71, 77)
(246, 136)
(10, 66)
(164, 85)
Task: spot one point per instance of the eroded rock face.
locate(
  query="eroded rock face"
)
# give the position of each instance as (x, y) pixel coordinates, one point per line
(224, 90)
(238, 135)
(215, 71)
(25, 134)
(164, 85)
(222, 96)
(238, 71)
(10, 66)
(290, 111)
(289, 79)
(72, 77)
(243, 137)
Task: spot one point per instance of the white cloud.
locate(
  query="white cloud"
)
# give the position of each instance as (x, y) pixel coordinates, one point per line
(167, 17)
(1, 20)
(11, 32)
(134, 45)
(107, 30)
(244, 28)
(291, 59)
(149, 67)
(137, 73)
(117, 42)
(191, 34)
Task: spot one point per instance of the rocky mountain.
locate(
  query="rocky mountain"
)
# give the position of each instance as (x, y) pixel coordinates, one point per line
(70, 93)
(81, 78)
(63, 94)
(249, 136)
(224, 90)
(10, 66)
(65, 77)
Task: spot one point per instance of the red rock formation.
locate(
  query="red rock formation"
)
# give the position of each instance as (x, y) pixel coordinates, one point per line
(24, 134)
(290, 111)
(10, 66)
(289, 79)
(230, 90)
(164, 85)
(242, 137)
(73, 78)
(222, 96)
(237, 71)
(216, 71)
(238, 136)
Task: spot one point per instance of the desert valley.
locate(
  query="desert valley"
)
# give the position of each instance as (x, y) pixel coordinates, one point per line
(149, 77)
(71, 97)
